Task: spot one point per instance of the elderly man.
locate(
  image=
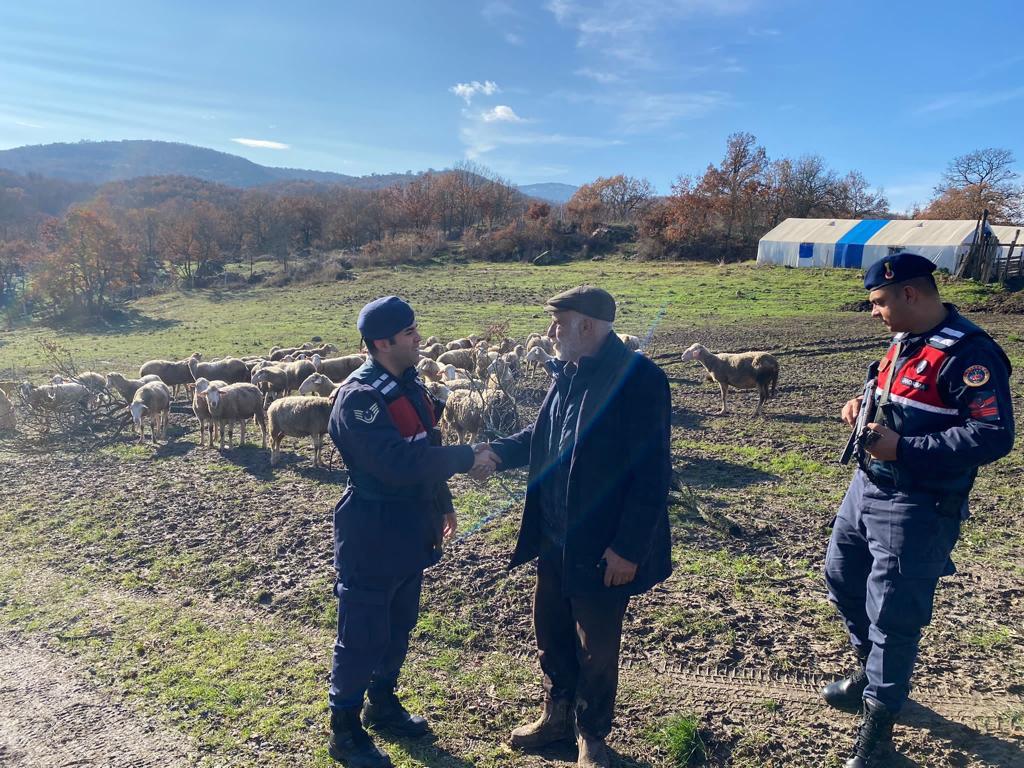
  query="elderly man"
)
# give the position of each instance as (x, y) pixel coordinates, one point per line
(387, 527)
(595, 516)
(943, 409)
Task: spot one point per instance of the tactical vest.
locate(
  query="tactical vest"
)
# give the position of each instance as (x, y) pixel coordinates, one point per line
(415, 421)
(917, 406)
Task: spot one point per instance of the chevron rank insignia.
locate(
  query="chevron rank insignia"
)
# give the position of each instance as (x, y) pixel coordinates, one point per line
(369, 415)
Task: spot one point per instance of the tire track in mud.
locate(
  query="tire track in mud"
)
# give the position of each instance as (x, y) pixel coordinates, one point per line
(50, 715)
(746, 691)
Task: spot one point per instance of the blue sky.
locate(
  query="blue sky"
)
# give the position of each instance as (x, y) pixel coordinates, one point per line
(557, 90)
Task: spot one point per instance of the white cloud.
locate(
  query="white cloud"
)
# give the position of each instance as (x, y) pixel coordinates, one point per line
(605, 78)
(650, 111)
(969, 101)
(501, 114)
(513, 39)
(262, 143)
(466, 91)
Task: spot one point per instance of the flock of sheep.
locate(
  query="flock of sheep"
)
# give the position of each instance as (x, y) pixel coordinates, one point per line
(476, 381)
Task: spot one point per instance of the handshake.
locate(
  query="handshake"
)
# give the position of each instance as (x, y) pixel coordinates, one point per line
(485, 461)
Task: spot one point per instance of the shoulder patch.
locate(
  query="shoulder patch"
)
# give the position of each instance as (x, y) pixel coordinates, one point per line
(367, 415)
(976, 376)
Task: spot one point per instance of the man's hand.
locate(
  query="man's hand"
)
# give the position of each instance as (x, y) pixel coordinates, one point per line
(451, 525)
(618, 570)
(485, 461)
(851, 410)
(884, 448)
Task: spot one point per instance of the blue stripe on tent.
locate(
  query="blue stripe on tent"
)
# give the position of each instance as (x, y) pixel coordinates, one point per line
(806, 250)
(850, 247)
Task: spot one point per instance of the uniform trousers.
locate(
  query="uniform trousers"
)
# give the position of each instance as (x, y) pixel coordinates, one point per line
(373, 637)
(578, 644)
(886, 554)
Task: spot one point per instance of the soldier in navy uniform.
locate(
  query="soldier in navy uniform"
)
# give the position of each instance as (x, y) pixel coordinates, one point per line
(943, 405)
(388, 527)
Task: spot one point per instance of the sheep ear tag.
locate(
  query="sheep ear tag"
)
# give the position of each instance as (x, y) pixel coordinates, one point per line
(369, 415)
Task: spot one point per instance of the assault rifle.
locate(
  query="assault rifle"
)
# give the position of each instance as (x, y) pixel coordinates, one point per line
(862, 437)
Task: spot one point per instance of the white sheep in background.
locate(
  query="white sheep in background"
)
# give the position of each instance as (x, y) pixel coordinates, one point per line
(437, 390)
(632, 342)
(271, 380)
(230, 369)
(297, 373)
(432, 350)
(535, 358)
(337, 368)
(172, 373)
(460, 344)
(94, 382)
(151, 401)
(742, 370)
(429, 369)
(468, 413)
(317, 384)
(299, 417)
(460, 358)
(126, 387)
(236, 402)
(431, 340)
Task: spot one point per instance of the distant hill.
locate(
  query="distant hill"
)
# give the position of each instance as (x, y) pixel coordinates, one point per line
(98, 162)
(552, 191)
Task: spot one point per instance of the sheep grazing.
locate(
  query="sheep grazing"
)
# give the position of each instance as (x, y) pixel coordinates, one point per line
(7, 419)
(467, 413)
(460, 358)
(236, 402)
(317, 384)
(94, 382)
(632, 342)
(172, 373)
(432, 350)
(126, 387)
(153, 401)
(202, 410)
(55, 397)
(741, 370)
(299, 417)
(337, 368)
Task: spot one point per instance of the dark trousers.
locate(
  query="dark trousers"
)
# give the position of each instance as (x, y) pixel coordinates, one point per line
(578, 645)
(373, 638)
(887, 552)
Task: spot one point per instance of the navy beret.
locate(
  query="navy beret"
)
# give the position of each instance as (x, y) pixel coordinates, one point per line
(384, 317)
(897, 268)
(585, 299)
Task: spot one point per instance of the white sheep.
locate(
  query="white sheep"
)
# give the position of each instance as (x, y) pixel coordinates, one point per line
(202, 409)
(236, 402)
(468, 413)
(742, 370)
(432, 350)
(128, 387)
(429, 369)
(172, 373)
(230, 369)
(337, 368)
(460, 358)
(299, 417)
(459, 344)
(632, 342)
(153, 401)
(317, 384)
(535, 358)
(271, 380)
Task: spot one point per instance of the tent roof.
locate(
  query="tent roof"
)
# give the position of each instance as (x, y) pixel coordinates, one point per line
(810, 230)
(911, 232)
(1005, 233)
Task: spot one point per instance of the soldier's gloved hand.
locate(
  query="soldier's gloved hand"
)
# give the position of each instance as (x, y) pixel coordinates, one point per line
(618, 570)
(886, 447)
(850, 411)
(451, 525)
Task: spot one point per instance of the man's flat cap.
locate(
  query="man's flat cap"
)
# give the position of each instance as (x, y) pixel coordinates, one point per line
(897, 268)
(585, 299)
(384, 317)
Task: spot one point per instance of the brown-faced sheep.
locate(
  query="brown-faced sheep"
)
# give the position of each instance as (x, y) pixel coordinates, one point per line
(172, 373)
(151, 401)
(742, 370)
(299, 417)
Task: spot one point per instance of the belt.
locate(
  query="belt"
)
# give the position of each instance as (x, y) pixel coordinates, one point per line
(368, 495)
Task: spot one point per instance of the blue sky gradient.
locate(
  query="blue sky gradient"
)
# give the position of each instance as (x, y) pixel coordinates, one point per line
(562, 90)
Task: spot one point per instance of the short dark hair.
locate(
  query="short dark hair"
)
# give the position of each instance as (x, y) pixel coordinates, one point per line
(371, 345)
(925, 284)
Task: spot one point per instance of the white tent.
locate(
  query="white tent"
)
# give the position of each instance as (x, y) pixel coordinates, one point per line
(1006, 236)
(860, 243)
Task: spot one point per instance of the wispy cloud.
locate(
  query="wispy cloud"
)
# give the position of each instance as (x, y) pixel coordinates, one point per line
(969, 101)
(605, 78)
(501, 114)
(513, 38)
(262, 143)
(640, 111)
(763, 32)
(466, 91)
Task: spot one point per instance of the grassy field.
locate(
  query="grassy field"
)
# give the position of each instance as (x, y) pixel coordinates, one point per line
(196, 585)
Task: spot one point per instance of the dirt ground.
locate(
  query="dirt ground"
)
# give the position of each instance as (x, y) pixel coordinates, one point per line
(741, 634)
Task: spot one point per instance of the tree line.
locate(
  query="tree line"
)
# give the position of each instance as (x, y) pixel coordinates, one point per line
(76, 248)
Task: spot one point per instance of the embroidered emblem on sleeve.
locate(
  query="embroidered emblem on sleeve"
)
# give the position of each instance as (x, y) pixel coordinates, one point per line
(976, 376)
(984, 407)
(367, 416)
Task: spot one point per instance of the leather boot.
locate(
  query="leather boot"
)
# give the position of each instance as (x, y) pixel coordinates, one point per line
(848, 694)
(384, 710)
(351, 745)
(592, 752)
(873, 746)
(554, 725)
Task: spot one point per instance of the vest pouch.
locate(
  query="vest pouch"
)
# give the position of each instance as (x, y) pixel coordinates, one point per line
(363, 617)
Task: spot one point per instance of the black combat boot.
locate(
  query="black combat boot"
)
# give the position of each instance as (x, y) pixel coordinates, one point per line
(351, 745)
(847, 694)
(873, 746)
(384, 710)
